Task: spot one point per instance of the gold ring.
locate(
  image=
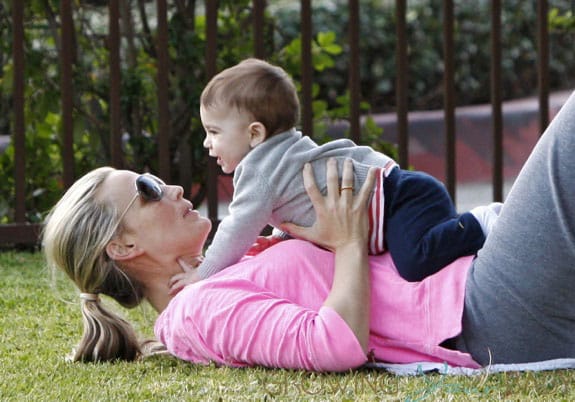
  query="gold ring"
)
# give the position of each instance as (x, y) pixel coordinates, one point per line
(346, 188)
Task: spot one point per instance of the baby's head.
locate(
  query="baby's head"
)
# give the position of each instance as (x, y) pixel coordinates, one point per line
(257, 88)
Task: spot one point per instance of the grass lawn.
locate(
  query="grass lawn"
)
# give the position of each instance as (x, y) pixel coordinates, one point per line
(40, 323)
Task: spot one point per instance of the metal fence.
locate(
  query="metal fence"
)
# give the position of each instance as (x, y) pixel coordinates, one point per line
(21, 232)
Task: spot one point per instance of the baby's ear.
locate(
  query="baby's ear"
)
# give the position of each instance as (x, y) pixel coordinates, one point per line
(258, 133)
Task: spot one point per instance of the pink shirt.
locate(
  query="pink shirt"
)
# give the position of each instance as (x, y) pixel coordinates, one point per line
(267, 310)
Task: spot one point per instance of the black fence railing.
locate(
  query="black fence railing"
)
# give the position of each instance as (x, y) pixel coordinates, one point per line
(21, 232)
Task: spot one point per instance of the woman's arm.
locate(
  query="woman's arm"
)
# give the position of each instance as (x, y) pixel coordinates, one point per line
(342, 227)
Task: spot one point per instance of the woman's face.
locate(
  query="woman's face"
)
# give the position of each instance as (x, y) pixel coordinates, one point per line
(164, 229)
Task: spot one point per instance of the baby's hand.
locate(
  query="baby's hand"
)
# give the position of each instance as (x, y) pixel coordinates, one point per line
(261, 243)
(190, 275)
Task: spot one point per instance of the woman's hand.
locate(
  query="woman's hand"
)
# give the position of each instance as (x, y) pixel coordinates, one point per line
(341, 218)
(342, 226)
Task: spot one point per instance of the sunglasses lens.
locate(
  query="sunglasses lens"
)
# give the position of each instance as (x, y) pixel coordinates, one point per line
(149, 188)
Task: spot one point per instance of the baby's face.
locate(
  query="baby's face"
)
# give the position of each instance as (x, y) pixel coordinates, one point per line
(228, 136)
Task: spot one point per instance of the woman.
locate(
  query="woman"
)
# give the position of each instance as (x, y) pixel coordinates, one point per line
(146, 238)
(296, 306)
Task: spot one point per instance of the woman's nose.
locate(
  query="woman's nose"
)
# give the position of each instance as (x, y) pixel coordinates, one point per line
(176, 192)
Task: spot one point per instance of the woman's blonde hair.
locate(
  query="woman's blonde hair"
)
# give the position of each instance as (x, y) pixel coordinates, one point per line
(257, 87)
(74, 239)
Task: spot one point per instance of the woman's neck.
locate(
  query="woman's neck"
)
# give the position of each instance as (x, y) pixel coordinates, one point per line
(158, 295)
(154, 280)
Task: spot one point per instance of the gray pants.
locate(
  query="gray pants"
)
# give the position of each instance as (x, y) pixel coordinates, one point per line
(520, 294)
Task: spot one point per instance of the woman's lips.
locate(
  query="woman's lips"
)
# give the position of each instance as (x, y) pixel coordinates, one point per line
(190, 210)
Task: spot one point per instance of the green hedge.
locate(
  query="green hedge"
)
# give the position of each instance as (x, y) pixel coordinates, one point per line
(425, 54)
(187, 51)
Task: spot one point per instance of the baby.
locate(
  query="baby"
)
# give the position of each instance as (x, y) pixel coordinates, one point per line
(249, 113)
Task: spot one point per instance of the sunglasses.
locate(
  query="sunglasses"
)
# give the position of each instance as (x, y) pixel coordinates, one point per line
(149, 188)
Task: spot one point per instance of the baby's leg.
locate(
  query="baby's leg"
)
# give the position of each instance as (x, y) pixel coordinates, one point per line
(520, 295)
(423, 231)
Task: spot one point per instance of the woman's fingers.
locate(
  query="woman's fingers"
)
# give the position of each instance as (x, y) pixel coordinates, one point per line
(365, 191)
(341, 217)
(332, 178)
(346, 190)
(299, 232)
(310, 186)
(316, 198)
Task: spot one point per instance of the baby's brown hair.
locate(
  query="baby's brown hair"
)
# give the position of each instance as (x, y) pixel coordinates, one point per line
(257, 87)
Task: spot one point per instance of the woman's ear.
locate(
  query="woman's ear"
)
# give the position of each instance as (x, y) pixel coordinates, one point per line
(118, 250)
(258, 133)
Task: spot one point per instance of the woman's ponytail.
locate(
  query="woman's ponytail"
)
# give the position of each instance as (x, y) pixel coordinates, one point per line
(106, 335)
